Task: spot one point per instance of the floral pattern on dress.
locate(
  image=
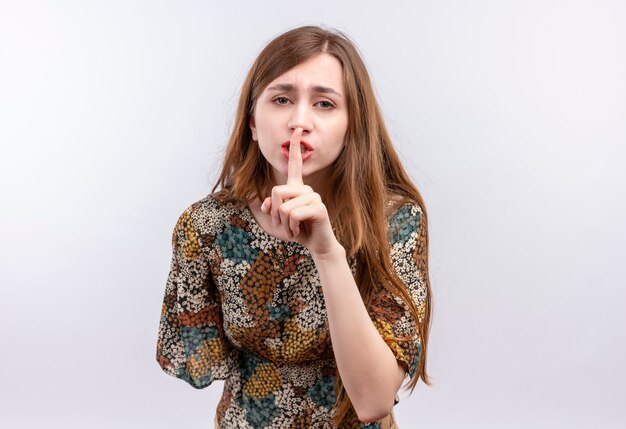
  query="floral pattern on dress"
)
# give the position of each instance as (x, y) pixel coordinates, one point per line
(243, 306)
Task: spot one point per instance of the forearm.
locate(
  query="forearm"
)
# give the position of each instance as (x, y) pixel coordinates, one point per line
(369, 370)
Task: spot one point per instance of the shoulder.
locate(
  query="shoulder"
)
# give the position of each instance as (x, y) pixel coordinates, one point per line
(404, 219)
(208, 216)
(397, 203)
(398, 207)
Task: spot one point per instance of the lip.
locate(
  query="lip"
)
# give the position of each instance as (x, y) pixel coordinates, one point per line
(305, 155)
(307, 146)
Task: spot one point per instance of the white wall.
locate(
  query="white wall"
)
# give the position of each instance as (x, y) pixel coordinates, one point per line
(510, 116)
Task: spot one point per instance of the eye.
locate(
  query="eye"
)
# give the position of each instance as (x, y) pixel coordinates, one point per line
(325, 104)
(281, 100)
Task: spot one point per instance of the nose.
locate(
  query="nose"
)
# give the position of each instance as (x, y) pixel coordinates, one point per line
(301, 117)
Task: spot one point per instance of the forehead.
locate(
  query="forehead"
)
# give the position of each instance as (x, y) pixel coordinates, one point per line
(320, 70)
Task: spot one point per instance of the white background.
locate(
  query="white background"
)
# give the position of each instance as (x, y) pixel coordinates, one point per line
(509, 115)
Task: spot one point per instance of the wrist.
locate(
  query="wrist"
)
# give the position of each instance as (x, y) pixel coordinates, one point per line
(334, 253)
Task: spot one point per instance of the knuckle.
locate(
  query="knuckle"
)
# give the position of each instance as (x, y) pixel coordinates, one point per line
(276, 192)
(283, 210)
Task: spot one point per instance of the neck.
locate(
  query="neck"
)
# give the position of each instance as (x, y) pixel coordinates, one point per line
(318, 181)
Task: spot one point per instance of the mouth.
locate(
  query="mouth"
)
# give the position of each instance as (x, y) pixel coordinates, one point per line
(305, 149)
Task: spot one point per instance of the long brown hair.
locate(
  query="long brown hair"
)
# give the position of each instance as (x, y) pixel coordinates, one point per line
(366, 177)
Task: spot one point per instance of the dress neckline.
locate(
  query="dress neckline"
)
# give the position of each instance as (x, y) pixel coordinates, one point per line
(259, 231)
(279, 243)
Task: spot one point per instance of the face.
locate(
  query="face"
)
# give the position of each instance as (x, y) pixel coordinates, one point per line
(311, 95)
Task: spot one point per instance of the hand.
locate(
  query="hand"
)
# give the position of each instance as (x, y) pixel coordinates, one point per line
(299, 209)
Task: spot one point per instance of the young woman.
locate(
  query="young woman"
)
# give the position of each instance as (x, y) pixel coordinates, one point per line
(303, 281)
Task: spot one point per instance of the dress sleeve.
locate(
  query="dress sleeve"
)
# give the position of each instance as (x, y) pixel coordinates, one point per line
(191, 344)
(391, 316)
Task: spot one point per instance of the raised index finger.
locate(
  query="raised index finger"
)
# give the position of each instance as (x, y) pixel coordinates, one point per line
(294, 168)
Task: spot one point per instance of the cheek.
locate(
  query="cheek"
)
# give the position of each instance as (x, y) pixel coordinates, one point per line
(340, 131)
(341, 123)
(268, 125)
(338, 138)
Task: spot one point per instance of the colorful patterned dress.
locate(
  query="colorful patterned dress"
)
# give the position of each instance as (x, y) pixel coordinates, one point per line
(245, 307)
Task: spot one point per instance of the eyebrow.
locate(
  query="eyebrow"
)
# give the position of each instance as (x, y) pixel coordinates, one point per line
(290, 88)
